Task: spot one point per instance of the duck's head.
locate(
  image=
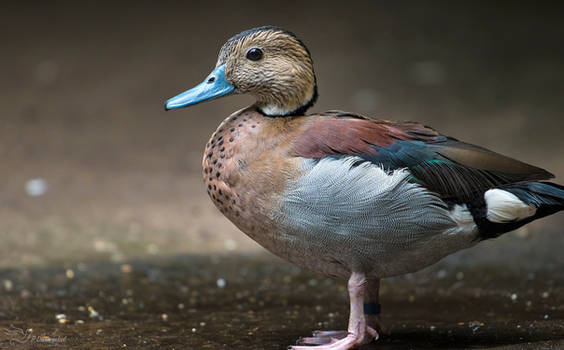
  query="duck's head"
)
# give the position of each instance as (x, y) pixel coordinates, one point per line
(270, 63)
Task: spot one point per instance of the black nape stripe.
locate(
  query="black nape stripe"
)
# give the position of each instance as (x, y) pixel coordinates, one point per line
(301, 110)
(298, 111)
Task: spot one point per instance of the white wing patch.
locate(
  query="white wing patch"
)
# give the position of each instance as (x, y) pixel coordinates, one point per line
(504, 206)
(463, 218)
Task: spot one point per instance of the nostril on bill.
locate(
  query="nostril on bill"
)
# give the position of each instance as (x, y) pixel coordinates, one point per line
(211, 80)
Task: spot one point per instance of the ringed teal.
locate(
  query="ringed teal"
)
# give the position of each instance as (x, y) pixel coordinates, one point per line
(344, 195)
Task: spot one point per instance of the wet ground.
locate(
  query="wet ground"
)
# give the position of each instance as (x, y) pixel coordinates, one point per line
(108, 239)
(256, 302)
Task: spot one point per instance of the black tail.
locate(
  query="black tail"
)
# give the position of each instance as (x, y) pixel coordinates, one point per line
(547, 197)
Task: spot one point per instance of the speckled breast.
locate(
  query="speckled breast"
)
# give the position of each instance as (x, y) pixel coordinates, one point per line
(219, 164)
(236, 164)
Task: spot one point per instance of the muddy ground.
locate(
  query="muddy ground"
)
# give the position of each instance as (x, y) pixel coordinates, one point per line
(102, 209)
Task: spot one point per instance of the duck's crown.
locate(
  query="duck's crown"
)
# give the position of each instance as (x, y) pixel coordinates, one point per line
(269, 63)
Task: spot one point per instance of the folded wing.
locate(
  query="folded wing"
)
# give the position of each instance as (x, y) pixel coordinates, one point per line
(455, 170)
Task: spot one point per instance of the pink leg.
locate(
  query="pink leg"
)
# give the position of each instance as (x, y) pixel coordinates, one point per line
(374, 326)
(372, 297)
(358, 332)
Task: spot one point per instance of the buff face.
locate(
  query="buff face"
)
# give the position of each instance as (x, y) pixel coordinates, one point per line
(272, 65)
(280, 76)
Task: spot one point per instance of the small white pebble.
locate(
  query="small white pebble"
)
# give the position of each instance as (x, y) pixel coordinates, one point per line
(36, 187)
(62, 318)
(546, 317)
(180, 306)
(545, 295)
(202, 324)
(8, 285)
(221, 283)
(514, 297)
(475, 324)
(164, 317)
(79, 322)
(69, 273)
(432, 328)
(193, 330)
(93, 313)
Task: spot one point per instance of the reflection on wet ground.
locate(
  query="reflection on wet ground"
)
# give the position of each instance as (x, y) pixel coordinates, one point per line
(256, 302)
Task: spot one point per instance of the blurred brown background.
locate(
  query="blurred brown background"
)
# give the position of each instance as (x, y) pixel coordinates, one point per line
(110, 175)
(108, 239)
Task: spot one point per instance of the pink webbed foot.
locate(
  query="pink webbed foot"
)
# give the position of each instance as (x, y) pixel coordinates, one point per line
(322, 337)
(359, 332)
(331, 334)
(329, 337)
(350, 341)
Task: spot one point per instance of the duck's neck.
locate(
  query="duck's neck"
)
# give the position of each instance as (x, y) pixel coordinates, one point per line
(290, 105)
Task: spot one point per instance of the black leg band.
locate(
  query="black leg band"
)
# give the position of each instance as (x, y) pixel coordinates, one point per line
(372, 309)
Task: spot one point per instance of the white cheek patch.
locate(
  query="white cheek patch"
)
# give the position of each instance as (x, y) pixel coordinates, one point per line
(504, 206)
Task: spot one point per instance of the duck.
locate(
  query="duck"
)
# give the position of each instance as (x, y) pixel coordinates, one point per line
(344, 195)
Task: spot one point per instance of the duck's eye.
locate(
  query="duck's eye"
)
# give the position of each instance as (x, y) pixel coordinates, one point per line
(254, 54)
